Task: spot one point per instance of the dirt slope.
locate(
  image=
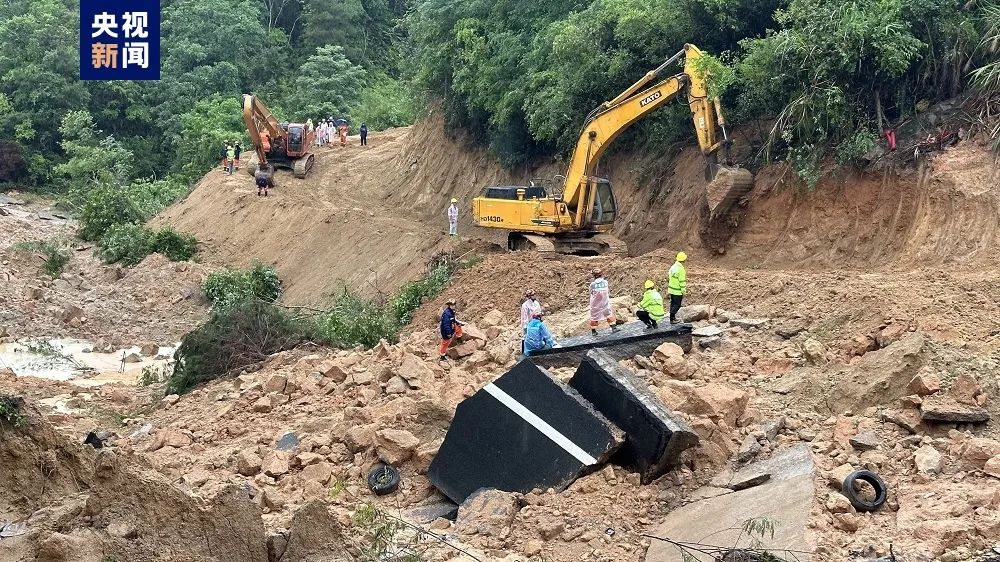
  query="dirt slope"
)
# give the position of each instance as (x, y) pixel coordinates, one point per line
(369, 218)
(332, 230)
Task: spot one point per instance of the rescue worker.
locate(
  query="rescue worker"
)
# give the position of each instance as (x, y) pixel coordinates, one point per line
(651, 306)
(364, 134)
(600, 302)
(677, 285)
(451, 328)
(230, 157)
(529, 307)
(343, 134)
(320, 132)
(309, 125)
(222, 155)
(537, 336)
(238, 149)
(263, 180)
(453, 218)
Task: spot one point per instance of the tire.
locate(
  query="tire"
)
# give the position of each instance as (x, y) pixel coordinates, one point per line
(859, 503)
(383, 479)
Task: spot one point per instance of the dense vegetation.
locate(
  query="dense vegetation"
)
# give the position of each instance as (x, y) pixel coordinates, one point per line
(246, 325)
(828, 73)
(306, 58)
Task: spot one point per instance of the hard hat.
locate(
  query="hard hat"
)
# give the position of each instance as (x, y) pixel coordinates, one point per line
(453, 200)
(681, 256)
(450, 301)
(529, 292)
(649, 284)
(596, 271)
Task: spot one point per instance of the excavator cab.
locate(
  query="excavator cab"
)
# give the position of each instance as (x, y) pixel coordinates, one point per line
(296, 137)
(605, 207)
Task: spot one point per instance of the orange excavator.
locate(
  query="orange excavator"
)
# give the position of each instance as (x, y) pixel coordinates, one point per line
(278, 145)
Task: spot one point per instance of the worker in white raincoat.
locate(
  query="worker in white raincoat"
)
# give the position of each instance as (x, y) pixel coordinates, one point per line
(453, 218)
(600, 302)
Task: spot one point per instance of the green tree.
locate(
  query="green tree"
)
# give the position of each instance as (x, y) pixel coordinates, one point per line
(327, 84)
(39, 76)
(335, 23)
(92, 158)
(211, 122)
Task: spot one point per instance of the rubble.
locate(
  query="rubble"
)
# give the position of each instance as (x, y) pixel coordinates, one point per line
(487, 512)
(786, 496)
(866, 441)
(924, 384)
(395, 446)
(928, 460)
(814, 350)
(942, 408)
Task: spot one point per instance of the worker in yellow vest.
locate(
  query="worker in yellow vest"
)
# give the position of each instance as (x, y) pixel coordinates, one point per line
(651, 306)
(677, 285)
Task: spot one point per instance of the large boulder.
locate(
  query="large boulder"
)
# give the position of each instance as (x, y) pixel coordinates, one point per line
(928, 460)
(315, 535)
(877, 378)
(672, 361)
(695, 312)
(977, 451)
(487, 512)
(395, 446)
(415, 371)
(248, 463)
(714, 400)
(170, 437)
(492, 318)
(275, 464)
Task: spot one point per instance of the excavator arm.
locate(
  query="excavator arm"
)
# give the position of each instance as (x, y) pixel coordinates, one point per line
(580, 219)
(261, 125)
(611, 118)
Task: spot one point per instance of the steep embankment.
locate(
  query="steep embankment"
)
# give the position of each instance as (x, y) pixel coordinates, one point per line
(332, 230)
(370, 217)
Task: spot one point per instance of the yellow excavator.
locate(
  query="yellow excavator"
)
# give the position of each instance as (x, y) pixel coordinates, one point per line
(278, 145)
(579, 220)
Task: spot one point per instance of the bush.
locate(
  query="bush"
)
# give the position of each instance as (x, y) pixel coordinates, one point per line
(353, 321)
(413, 294)
(55, 255)
(233, 338)
(128, 244)
(385, 102)
(107, 206)
(10, 410)
(857, 149)
(237, 286)
(174, 245)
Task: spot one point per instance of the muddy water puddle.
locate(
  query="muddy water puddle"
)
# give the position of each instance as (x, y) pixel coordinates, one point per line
(75, 361)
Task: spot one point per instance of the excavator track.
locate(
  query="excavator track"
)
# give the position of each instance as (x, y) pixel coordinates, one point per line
(614, 246)
(533, 243)
(599, 244)
(301, 167)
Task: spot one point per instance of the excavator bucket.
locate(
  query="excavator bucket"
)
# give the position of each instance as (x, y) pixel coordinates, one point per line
(730, 184)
